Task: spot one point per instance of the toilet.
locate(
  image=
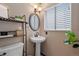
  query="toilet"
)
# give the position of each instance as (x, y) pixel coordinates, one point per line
(12, 50)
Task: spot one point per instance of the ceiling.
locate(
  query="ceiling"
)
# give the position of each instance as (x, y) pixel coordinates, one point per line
(43, 5)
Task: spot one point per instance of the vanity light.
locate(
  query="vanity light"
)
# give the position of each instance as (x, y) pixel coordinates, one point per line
(37, 8)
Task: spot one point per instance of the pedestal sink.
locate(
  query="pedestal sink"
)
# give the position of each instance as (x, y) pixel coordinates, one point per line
(38, 40)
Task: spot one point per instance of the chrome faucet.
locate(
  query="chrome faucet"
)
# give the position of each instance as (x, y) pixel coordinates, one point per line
(36, 34)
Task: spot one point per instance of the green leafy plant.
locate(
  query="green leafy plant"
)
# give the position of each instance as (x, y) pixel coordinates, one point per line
(71, 37)
(19, 17)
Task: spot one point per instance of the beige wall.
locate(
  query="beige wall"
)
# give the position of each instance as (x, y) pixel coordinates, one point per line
(54, 45)
(23, 9)
(27, 9)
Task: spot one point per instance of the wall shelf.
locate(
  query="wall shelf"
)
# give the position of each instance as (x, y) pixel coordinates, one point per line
(10, 36)
(6, 36)
(24, 35)
(16, 34)
(9, 31)
(11, 20)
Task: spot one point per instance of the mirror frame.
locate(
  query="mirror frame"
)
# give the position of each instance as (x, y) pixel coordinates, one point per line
(30, 21)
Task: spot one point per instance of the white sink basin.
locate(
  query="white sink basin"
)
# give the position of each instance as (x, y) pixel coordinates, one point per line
(38, 39)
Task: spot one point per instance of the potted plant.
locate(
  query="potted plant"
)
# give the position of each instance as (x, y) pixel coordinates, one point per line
(71, 37)
(20, 18)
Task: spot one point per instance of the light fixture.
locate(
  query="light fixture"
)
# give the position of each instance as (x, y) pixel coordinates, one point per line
(37, 8)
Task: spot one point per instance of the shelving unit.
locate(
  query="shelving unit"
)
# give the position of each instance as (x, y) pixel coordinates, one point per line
(7, 36)
(24, 35)
(10, 36)
(11, 20)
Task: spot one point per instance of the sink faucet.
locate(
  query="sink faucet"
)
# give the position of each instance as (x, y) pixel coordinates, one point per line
(36, 34)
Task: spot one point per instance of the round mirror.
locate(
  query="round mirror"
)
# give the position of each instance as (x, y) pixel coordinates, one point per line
(34, 22)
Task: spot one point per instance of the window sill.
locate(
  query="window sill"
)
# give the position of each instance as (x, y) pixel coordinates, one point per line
(58, 30)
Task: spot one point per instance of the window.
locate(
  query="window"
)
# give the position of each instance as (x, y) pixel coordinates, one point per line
(50, 19)
(58, 17)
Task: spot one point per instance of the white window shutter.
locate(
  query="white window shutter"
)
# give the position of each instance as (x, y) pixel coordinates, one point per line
(49, 19)
(63, 17)
(58, 17)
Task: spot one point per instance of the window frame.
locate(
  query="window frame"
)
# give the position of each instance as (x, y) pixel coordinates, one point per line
(45, 29)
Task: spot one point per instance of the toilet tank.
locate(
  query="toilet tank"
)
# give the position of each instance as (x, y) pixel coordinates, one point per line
(12, 50)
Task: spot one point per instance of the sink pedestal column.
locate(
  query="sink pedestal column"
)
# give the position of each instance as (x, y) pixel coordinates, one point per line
(37, 53)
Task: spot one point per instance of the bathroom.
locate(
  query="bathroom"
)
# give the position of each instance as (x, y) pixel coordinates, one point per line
(53, 44)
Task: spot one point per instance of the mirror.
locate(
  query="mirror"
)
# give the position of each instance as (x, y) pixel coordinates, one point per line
(34, 22)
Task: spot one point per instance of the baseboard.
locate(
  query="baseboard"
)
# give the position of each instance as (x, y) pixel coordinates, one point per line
(43, 54)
